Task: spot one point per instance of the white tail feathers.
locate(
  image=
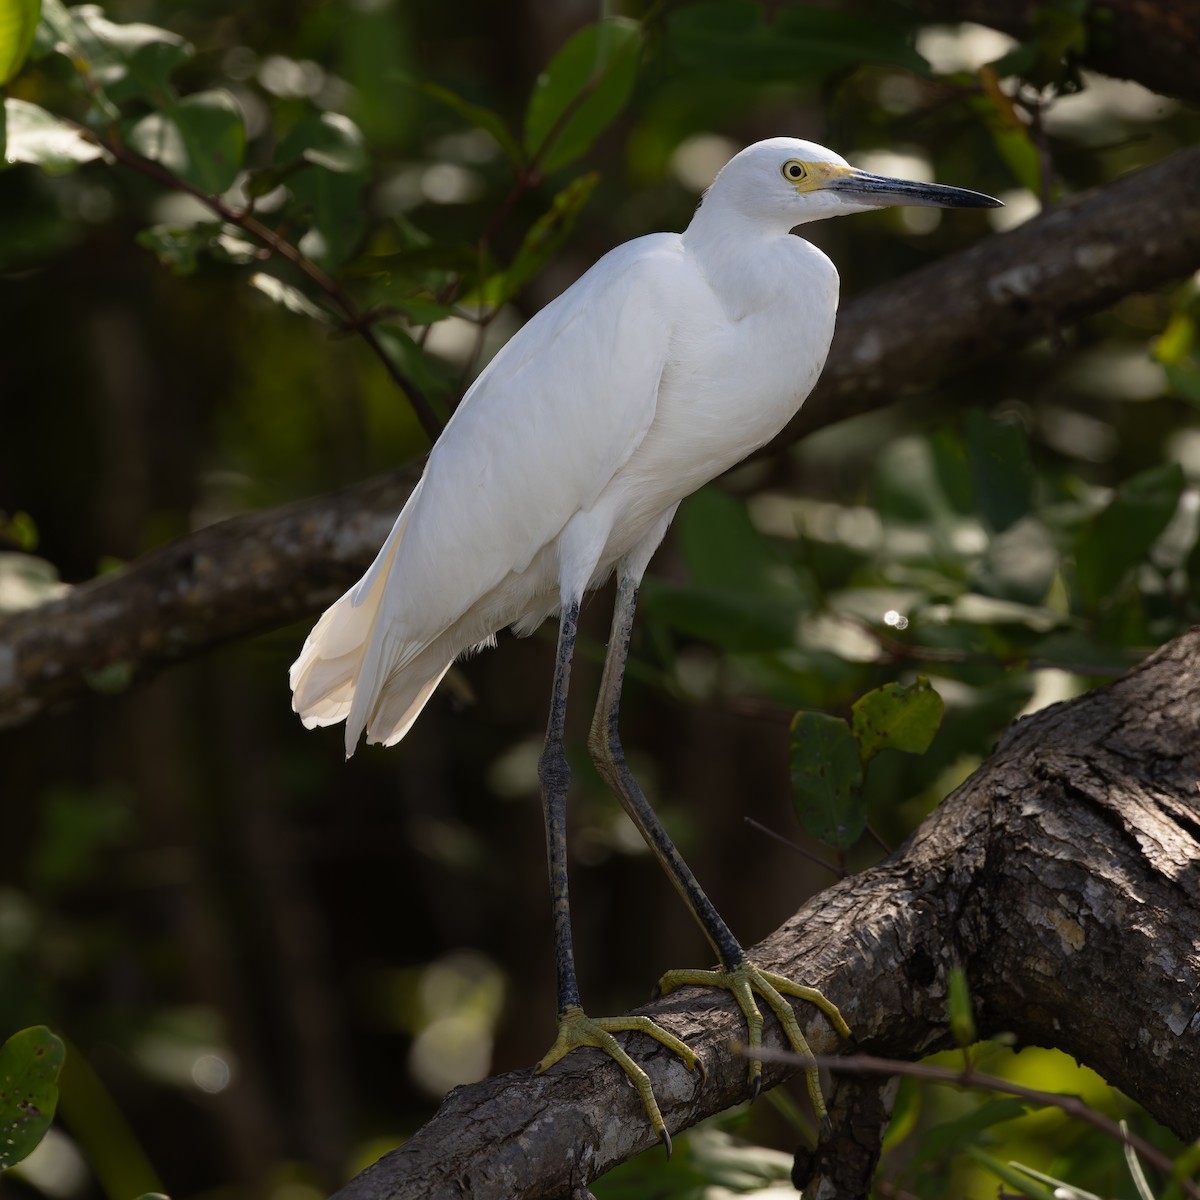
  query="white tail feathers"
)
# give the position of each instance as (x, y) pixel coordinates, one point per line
(356, 670)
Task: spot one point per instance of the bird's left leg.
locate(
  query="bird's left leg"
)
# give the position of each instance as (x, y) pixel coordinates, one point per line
(575, 1027)
(737, 974)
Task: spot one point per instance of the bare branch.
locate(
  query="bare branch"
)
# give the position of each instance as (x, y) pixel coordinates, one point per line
(262, 571)
(1068, 861)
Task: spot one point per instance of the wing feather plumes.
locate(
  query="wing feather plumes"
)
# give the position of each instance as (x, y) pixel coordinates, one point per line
(536, 440)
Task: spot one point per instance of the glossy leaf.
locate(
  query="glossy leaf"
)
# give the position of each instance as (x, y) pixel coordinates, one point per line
(200, 138)
(826, 771)
(18, 24)
(289, 297)
(732, 38)
(580, 93)
(329, 189)
(126, 61)
(36, 136)
(1118, 538)
(1018, 564)
(897, 717)
(30, 1062)
(1001, 468)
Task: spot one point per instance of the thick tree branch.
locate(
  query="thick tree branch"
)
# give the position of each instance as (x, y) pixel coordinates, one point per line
(261, 571)
(1069, 860)
(1155, 42)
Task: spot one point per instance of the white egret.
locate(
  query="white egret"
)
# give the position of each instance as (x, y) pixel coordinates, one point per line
(669, 361)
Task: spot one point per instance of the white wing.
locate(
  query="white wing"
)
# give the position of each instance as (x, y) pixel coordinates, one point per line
(540, 434)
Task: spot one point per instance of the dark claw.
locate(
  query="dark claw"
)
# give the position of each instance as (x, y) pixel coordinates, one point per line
(755, 1087)
(826, 1131)
(665, 1138)
(703, 1071)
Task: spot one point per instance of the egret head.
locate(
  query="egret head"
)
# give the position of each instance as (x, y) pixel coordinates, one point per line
(784, 182)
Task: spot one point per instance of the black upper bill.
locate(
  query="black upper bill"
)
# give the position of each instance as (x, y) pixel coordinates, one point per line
(879, 189)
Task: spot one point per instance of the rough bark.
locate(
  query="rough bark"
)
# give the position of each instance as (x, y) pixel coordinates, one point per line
(261, 571)
(1155, 42)
(1064, 876)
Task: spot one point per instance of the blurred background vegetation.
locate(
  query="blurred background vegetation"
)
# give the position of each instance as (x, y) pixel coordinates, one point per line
(269, 964)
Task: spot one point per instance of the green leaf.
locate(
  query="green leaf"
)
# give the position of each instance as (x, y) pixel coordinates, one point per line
(38, 137)
(327, 140)
(585, 86)
(200, 138)
(951, 1137)
(1018, 564)
(741, 622)
(1014, 1178)
(329, 189)
(959, 1014)
(178, 246)
(122, 61)
(30, 1062)
(721, 546)
(732, 38)
(18, 24)
(826, 772)
(899, 717)
(541, 243)
(1001, 468)
(1117, 539)
(475, 114)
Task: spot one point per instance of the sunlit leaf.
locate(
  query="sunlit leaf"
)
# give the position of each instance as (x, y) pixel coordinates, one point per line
(826, 770)
(200, 138)
(38, 137)
(579, 94)
(897, 717)
(18, 24)
(1118, 538)
(291, 298)
(328, 140)
(733, 38)
(30, 1062)
(124, 60)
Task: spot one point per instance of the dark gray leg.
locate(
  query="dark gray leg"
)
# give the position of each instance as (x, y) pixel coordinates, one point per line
(554, 774)
(609, 756)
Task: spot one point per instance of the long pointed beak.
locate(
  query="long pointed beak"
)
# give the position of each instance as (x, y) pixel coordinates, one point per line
(866, 188)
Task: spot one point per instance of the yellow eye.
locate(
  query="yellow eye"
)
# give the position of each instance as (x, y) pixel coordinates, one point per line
(794, 170)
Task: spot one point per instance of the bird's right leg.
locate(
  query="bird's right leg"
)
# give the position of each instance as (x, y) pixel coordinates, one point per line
(737, 974)
(575, 1027)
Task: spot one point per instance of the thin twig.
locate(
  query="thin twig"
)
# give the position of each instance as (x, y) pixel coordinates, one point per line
(801, 850)
(355, 319)
(1073, 1106)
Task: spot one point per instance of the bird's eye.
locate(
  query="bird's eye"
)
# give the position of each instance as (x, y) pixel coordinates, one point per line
(794, 170)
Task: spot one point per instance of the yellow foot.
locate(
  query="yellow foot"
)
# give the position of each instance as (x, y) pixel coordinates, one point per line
(576, 1029)
(743, 981)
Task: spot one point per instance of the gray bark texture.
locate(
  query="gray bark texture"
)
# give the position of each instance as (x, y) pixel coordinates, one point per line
(1063, 876)
(261, 571)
